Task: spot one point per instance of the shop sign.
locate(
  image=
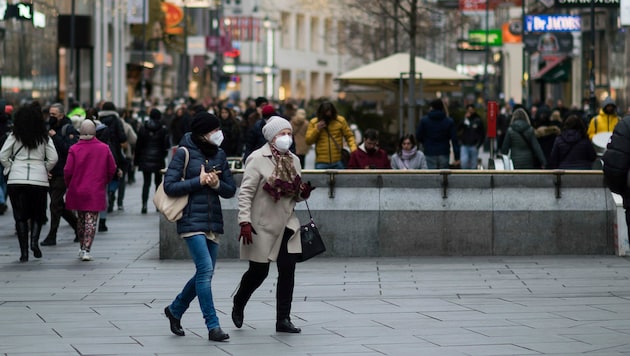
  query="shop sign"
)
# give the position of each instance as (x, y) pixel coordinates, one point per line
(478, 37)
(553, 23)
(586, 3)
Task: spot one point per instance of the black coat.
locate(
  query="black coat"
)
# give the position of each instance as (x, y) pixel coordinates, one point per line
(572, 150)
(254, 138)
(151, 147)
(115, 136)
(617, 160)
(65, 136)
(231, 137)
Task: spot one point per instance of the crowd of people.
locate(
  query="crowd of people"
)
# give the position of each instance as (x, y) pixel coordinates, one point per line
(84, 161)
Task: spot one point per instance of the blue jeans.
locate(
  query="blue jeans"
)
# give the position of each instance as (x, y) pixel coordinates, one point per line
(437, 162)
(204, 255)
(334, 165)
(468, 156)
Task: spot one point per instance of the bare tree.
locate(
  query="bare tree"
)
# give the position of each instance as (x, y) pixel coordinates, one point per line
(410, 24)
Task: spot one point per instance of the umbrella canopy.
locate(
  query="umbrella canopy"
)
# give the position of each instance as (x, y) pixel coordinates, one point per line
(386, 73)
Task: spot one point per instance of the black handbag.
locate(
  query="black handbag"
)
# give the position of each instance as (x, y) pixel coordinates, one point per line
(312, 243)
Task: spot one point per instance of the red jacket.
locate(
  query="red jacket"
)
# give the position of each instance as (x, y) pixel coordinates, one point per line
(360, 159)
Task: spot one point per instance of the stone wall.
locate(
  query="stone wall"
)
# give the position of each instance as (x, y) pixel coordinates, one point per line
(445, 213)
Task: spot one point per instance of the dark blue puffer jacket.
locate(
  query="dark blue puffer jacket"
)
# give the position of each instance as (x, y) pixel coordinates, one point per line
(203, 212)
(436, 132)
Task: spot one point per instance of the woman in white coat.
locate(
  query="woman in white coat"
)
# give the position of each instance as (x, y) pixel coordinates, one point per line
(28, 155)
(270, 187)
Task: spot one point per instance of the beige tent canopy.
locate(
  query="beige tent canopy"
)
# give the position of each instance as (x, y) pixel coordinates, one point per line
(386, 72)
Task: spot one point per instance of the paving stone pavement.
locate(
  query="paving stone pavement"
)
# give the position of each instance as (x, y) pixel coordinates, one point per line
(541, 305)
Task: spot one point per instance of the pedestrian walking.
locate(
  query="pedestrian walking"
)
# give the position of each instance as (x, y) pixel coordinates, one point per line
(299, 124)
(471, 135)
(520, 143)
(28, 155)
(151, 150)
(63, 135)
(207, 178)
(270, 188)
(437, 133)
(89, 169)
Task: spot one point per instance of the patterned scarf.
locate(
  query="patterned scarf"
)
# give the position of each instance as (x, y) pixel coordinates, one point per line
(284, 181)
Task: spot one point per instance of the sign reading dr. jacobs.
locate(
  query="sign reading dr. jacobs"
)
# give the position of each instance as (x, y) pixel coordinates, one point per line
(587, 3)
(552, 23)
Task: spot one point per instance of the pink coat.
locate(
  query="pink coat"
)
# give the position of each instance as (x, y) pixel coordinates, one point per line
(89, 168)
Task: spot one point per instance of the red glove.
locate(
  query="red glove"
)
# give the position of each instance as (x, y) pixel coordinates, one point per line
(246, 233)
(306, 189)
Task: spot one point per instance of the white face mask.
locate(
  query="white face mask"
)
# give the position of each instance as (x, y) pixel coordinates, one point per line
(215, 138)
(283, 143)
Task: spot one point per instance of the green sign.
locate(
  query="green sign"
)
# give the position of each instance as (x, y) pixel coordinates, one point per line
(478, 37)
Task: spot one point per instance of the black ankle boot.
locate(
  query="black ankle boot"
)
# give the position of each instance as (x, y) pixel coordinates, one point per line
(237, 316)
(286, 326)
(36, 229)
(216, 334)
(176, 326)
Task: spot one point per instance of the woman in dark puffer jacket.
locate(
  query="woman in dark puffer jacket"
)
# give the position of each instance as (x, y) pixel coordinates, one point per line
(207, 178)
(151, 149)
(572, 149)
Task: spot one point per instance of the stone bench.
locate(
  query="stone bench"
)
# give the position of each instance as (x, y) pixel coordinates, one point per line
(444, 213)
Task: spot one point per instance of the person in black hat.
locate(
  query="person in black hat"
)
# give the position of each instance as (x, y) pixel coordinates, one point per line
(207, 177)
(151, 149)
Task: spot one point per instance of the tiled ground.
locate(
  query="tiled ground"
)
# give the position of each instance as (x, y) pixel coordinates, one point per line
(550, 305)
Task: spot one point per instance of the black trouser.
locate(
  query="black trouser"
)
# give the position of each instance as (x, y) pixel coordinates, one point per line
(302, 160)
(28, 202)
(58, 209)
(257, 272)
(122, 184)
(146, 184)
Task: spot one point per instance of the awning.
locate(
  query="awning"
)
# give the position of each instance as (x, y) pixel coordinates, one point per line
(386, 72)
(555, 70)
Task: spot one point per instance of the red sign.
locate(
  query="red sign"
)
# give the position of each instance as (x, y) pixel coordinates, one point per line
(492, 111)
(218, 44)
(173, 15)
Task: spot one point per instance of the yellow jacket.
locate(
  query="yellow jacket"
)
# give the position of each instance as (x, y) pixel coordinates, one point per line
(326, 151)
(602, 123)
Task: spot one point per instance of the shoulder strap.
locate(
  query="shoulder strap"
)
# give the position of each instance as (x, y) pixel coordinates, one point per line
(16, 152)
(185, 160)
(333, 140)
(309, 210)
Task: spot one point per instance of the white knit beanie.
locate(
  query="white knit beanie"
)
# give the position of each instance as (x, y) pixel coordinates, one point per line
(87, 130)
(274, 125)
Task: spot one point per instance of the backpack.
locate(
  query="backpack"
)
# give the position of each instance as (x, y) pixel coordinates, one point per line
(73, 131)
